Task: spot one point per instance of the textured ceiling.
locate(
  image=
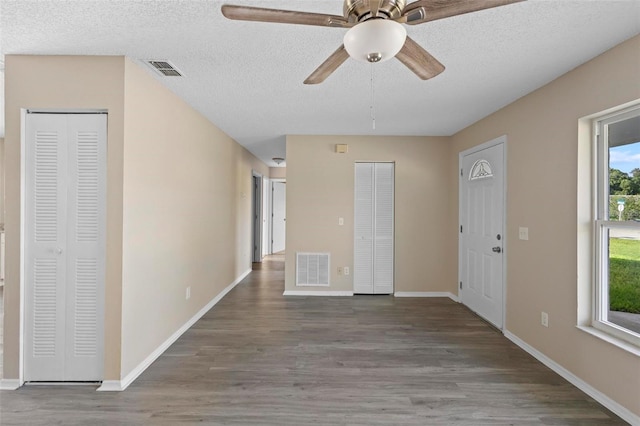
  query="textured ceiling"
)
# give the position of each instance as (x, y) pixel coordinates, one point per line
(246, 77)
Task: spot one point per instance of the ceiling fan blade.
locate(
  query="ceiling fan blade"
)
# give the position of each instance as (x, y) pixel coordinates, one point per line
(246, 13)
(419, 60)
(432, 10)
(332, 63)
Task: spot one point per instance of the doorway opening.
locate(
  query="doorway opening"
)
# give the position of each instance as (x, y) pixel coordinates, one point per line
(256, 218)
(278, 216)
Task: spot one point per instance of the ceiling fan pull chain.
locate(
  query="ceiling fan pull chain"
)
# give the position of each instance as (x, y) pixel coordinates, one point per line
(373, 100)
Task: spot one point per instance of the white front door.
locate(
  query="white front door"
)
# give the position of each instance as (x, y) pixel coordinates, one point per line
(65, 193)
(278, 217)
(482, 230)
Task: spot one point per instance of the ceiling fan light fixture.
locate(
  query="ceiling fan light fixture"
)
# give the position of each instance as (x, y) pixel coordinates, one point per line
(375, 40)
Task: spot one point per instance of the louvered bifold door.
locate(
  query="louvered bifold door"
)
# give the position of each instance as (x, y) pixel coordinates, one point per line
(45, 267)
(383, 229)
(65, 246)
(85, 246)
(373, 228)
(363, 229)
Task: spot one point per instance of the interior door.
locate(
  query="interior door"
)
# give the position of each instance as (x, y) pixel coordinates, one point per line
(45, 260)
(65, 187)
(363, 224)
(383, 229)
(278, 217)
(257, 218)
(482, 231)
(373, 228)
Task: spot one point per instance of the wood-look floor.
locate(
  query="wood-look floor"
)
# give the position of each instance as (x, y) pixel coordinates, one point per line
(260, 358)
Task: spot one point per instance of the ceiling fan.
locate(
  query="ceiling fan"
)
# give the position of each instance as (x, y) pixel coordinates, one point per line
(375, 31)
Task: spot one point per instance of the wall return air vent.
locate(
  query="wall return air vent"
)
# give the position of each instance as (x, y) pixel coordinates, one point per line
(312, 269)
(165, 68)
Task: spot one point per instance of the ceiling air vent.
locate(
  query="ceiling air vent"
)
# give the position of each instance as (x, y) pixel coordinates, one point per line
(165, 68)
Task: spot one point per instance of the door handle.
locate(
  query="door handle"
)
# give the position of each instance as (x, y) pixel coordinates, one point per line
(496, 249)
(58, 250)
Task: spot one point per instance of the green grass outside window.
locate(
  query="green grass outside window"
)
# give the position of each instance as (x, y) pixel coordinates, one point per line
(624, 275)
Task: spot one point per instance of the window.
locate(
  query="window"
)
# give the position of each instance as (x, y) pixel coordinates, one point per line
(617, 225)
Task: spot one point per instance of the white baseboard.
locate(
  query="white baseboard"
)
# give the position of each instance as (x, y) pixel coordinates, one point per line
(9, 384)
(120, 385)
(316, 293)
(350, 293)
(110, 386)
(426, 294)
(618, 409)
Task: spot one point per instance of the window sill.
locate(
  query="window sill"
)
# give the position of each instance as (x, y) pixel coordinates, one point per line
(624, 345)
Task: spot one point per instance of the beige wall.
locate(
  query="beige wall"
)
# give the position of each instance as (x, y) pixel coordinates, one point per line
(320, 190)
(60, 82)
(277, 172)
(542, 155)
(186, 214)
(178, 202)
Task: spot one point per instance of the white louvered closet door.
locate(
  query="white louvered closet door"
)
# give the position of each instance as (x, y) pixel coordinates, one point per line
(373, 225)
(363, 230)
(383, 229)
(65, 246)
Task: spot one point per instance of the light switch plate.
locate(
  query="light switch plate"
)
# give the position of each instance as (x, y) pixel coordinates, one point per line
(341, 221)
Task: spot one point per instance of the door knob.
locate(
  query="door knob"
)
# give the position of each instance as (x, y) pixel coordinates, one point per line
(58, 250)
(497, 250)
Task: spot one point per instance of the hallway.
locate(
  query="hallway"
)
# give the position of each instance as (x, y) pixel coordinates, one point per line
(260, 358)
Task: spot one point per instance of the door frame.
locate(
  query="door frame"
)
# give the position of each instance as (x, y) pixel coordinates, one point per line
(24, 112)
(271, 182)
(501, 140)
(266, 213)
(256, 217)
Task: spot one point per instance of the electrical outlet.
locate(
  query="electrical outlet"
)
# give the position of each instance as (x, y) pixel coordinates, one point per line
(346, 270)
(339, 270)
(188, 295)
(523, 233)
(544, 319)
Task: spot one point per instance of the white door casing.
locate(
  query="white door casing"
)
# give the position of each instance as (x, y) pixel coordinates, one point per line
(373, 271)
(65, 199)
(481, 242)
(278, 218)
(266, 212)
